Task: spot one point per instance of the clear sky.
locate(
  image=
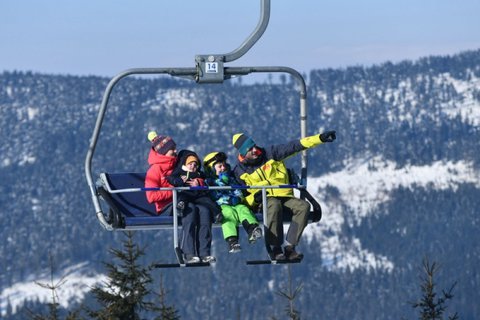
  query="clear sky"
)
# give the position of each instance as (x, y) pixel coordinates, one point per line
(104, 37)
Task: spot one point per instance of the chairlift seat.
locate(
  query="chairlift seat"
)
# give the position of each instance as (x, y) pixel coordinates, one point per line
(131, 210)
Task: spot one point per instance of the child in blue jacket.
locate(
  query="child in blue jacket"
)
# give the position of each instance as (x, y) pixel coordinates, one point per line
(233, 211)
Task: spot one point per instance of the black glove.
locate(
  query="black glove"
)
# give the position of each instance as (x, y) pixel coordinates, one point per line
(258, 196)
(328, 136)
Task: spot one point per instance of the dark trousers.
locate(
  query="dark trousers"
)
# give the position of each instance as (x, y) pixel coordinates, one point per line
(196, 230)
(275, 211)
(200, 199)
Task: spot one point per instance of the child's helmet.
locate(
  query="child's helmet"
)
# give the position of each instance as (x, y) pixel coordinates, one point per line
(212, 158)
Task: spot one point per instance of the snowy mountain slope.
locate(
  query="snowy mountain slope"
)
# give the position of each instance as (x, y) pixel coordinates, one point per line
(407, 142)
(362, 186)
(405, 102)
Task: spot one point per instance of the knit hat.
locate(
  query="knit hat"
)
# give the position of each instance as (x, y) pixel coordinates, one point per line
(161, 144)
(243, 143)
(213, 158)
(192, 158)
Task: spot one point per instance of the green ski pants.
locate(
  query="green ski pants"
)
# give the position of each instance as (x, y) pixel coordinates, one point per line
(233, 216)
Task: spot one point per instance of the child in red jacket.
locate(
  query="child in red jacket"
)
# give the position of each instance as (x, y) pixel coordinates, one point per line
(196, 221)
(162, 158)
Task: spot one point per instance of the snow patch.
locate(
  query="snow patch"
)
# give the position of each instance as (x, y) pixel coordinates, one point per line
(469, 107)
(32, 113)
(76, 283)
(271, 285)
(171, 100)
(26, 159)
(9, 91)
(182, 126)
(6, 162)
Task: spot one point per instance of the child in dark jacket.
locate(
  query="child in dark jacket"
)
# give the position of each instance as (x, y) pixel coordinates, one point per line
(187, 173)
(233, 211)
(197, 209)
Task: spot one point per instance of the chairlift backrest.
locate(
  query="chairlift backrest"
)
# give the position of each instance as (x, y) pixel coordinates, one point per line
(130, 210)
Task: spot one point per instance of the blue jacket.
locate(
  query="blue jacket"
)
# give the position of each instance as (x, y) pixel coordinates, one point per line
(229, 197)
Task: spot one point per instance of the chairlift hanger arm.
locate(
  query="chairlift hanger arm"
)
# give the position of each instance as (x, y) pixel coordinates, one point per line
(249, 42)
(211, 66)
(256, 34)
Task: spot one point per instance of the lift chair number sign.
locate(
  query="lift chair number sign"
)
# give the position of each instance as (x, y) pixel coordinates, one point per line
(211, 67)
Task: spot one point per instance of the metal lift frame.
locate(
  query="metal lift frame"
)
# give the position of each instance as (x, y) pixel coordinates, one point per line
(208, 69)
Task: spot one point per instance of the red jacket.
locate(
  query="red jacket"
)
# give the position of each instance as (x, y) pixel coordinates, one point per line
(161, 166)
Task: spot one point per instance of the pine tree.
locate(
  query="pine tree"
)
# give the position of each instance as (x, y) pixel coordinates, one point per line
(125, 292)
(431, 307)
(9, 308)
(165, 311)
(290, 294)
(53, 304)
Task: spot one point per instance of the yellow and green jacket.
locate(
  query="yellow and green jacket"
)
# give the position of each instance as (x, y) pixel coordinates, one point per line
(269, 169)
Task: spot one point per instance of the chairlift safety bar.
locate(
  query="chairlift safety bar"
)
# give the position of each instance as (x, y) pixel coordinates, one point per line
(199, 188)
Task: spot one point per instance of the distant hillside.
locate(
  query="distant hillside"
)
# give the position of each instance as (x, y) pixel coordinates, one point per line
(401, 182)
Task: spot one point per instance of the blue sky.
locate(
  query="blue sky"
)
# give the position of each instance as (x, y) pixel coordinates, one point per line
(104, 37)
